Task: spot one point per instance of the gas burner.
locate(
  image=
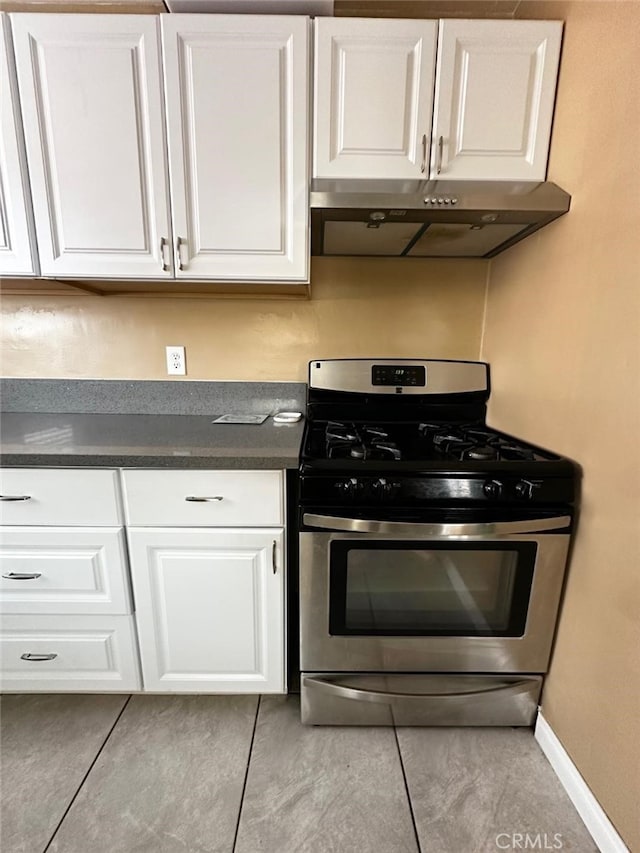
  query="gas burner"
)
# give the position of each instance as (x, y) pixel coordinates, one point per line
(479, 433)
(340, 432)
(515, 451)
(339, 449)
(359, 442)
(341, 441)
(388, 448)
(448, 437)
(448, 441)
(472, 442)
(481, 452)
(375, 432)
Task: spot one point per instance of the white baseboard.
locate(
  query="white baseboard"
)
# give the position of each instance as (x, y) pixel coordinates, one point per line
(593, 816)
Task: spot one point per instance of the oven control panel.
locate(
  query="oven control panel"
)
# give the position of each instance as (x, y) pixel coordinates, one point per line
(398, 375)
(424, 490)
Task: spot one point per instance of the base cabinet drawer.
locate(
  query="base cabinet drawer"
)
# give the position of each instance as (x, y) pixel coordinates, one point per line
(204, 498)
(60, 496)
(58, 570)
(48, 654)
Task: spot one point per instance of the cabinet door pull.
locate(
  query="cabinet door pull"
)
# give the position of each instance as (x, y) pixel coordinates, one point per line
(202, 500)
(180, 242)
(164, 243)
(34, 657)
(15, 497)
(273, 556)
(22, 576)
(424, 152)
(440, 147)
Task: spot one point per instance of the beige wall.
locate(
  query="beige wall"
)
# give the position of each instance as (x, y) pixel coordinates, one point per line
(563, 337)
(562, 333)
(409, 307)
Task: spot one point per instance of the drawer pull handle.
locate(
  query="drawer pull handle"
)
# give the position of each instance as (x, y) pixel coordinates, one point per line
(22, 576)
(34, 657)
(15, 497)
(274, 562)
(202, 500)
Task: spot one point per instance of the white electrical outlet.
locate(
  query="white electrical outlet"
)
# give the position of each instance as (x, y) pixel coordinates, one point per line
(176, 364)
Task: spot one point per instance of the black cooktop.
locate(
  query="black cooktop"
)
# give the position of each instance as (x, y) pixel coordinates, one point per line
(414, 432)
(353, 442)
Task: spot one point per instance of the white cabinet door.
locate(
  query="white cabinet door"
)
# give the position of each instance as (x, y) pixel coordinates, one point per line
(495, 92)
(373, 97)
(16, 256)
(91, 93)
(237, 110)
(210, 609)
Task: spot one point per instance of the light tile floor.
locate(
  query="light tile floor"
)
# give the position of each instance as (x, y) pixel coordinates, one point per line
(238, 774)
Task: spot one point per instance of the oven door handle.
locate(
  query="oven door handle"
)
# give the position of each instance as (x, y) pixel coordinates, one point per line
(363, 694)
(497, 528)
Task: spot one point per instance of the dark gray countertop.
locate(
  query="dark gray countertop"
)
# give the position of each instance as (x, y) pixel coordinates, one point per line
(145, 441)
(147, 424)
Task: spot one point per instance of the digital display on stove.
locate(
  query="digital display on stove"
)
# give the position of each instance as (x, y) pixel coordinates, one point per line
(397, 375)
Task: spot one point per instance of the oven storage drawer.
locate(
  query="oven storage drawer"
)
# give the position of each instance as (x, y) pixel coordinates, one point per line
(356, 699)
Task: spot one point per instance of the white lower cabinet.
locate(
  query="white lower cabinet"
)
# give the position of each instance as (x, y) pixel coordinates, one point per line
(199, 608)
(50, 654)
(66, 621)
(209, 608)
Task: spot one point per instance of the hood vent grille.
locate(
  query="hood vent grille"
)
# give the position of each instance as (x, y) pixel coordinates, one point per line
(428, 219)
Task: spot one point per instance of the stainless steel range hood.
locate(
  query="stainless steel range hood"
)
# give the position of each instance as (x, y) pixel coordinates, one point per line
(429, 219)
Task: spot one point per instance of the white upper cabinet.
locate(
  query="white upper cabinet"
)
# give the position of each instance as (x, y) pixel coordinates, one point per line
(495, 92)
(91, 92)
(495, 84)
(237, 115)
(16, 256)
(373, 97)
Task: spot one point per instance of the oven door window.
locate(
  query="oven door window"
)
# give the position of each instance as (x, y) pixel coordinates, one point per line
(430, 588)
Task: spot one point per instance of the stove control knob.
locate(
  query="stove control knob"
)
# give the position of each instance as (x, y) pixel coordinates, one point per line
(525, 488)
(384, 489)
(348, 488)
(493, 488)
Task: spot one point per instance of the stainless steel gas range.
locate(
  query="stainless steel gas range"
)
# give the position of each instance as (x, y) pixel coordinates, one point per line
(432, 549)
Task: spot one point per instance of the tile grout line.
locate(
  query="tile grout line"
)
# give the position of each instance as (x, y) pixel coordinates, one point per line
(406, 788)
(246, 776)
(84, 778)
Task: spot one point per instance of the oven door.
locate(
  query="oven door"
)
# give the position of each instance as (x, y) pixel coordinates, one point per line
(393, 597)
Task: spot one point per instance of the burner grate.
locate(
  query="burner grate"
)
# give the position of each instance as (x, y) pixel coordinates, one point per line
(348, 441)
(353, 441)
(480, 444)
